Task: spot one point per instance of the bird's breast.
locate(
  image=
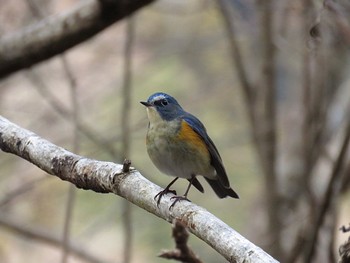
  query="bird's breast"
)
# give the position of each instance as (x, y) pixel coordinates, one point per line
(177, 150)
(162, 134)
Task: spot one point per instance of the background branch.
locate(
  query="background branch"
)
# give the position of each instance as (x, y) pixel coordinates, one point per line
(11, 195)
(126, 129)
(344, 249)
(182, 252)
(68, 115)
(39, 234)
(76, 148)
(56, 34)
(331, 194)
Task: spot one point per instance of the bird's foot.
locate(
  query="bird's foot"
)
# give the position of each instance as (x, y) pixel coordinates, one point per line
(159, 196)
(177, 199)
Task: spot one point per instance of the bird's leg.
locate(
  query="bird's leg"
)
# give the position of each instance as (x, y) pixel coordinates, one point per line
(182, 197)
(165, 191)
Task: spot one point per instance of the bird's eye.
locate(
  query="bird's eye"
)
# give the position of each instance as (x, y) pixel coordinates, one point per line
(164, 102)
(161, 103)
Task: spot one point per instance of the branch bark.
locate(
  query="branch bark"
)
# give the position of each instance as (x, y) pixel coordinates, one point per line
(56, 34)
(107, 177)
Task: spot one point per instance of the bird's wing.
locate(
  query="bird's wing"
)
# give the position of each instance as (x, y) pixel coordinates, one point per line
(216, 161)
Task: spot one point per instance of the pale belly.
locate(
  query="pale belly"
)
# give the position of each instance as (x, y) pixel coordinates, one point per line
(176, 158)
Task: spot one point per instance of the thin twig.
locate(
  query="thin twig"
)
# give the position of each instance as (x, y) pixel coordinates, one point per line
(268, 125)
(307, 59)
(126, 118)
(345, 229)
(72, 83)
(39, 234)
(126, 166)
(19, 191)
(66, 242)
(297, 247)
(45, 92)
(340, 18)
(344, 249)
(346, 182)
(182, 251)
(236, 56)
(331, 193)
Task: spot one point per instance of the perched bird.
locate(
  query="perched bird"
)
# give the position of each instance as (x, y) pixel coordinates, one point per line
(178, 145)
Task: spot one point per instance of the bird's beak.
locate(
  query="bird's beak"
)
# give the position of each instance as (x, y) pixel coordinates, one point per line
(146, 103)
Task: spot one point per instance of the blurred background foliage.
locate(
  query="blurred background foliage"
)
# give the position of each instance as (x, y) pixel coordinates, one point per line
(181, 48)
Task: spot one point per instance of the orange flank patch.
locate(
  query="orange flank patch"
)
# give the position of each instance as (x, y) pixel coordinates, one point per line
(191, 137)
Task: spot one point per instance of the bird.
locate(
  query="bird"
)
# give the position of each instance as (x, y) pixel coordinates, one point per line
(178, 145)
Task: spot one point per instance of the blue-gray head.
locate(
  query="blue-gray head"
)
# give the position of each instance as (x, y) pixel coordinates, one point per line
(162, 105)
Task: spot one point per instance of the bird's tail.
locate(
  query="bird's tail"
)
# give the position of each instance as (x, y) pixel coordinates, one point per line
(197, 184)
(220, 190)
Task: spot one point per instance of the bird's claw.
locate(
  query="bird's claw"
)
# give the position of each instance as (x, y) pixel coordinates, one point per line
(161, 193)
(177, 199)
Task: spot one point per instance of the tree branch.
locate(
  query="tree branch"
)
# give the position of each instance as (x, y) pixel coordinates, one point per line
(68, 115)
(56, 34)
(15, 225)
(332, 192)
(126, 141)
(340, 18)
(182, 252)
(267, 125)
(236, 54)
(107, 177)
(344, 249)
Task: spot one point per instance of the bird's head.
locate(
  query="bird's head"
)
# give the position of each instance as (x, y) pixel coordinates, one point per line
(161, 106)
